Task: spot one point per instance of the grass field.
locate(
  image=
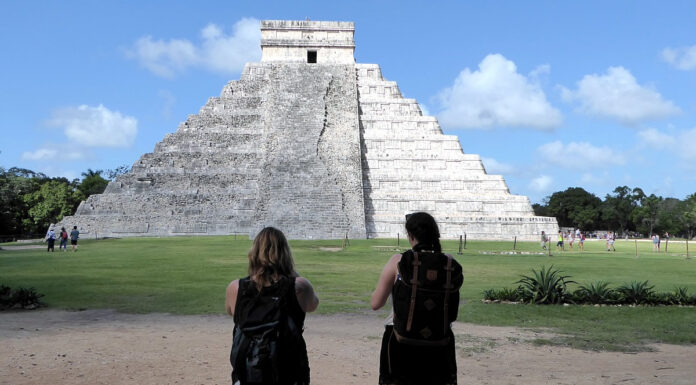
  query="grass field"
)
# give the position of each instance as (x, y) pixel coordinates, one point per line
(188, 275)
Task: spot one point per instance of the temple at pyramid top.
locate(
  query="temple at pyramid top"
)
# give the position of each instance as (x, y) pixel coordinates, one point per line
(310, 142)
(321, 42)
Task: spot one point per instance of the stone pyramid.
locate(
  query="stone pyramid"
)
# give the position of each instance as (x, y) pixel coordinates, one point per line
(312, 143)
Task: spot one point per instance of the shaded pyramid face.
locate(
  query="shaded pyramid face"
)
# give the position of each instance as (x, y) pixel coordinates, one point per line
(311, 143)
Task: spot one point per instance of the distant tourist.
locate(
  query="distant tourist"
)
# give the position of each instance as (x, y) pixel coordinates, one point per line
(543, 240)
(63, 239)
(559, 244)
(611, 238)
(581, 242)
(269, 308)
(571, 239)
(418, 344)
(51, 239)
(656, 242)
(74, 236)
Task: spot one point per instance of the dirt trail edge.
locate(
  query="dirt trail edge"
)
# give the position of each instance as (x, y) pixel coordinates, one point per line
(107, 347)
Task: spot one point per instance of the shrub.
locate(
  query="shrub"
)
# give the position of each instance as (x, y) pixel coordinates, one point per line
(596, 293)
(679, 296)
(504, 294)
(546, 286)
(636, 293)
(24, 298)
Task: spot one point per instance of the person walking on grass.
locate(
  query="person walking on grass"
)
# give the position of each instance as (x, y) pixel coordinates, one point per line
(581, 242)
(559, 244)
(418, 344)
(63, 239)
(611, 238)
(269, 308)
(74, 236)
(543, 240)
(51, 239)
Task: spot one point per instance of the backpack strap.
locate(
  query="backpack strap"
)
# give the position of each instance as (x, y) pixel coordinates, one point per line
(414, 290)
(448, 287)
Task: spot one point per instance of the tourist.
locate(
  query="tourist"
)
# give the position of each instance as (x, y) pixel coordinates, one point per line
(656, 242)
(543, 240)
(74, 236)
(63, 239)
(409, 355)
(581, 242)
(611, 238)
(571, 238)
(51, 239)
(273, 291)
(559, 244)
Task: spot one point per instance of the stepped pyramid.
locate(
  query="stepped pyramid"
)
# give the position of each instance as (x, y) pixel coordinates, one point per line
(312, 143)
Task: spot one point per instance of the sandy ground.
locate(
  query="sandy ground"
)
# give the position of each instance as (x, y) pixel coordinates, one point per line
(106, 347)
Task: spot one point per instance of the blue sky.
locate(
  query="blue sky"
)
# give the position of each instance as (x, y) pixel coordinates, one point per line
(551, 94)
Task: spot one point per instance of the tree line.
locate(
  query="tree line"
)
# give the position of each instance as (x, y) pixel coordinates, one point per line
(30, 201)
(626, 210)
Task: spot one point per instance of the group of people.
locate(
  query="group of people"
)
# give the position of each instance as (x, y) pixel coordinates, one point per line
(63, 239)
(656, 241)
(565, 238)
(269, 307)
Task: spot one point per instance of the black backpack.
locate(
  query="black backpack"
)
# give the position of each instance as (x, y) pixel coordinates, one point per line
(267, 342)
(426, 298)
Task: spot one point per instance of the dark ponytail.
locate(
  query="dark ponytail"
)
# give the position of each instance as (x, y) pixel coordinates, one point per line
(423, 227)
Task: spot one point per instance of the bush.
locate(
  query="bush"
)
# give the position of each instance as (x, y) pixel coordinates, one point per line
(636, 293)
(596, 293)
(546, 286)
(22, 298)
(504, 294)
(679, 296)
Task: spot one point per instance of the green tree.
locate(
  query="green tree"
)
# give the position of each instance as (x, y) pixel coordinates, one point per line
(14, 184)
(669, 216)
(49, 204)
(112, 174)
(574, 207)
(688, 216)
(618, 209)
(92, 183)
(646, 216)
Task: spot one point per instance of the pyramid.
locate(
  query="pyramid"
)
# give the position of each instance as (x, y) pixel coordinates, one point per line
(314, 144)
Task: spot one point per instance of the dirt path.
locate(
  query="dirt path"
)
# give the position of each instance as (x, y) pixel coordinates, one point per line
(105, 347)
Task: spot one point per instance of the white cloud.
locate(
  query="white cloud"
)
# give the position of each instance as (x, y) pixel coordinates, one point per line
(683, 58)
(217, 52)
(655, 139)
(617, 95)
(95, 126)
(495, 167)
(50, 154)
(497, 96)
(579, 156)
(681, 144)
(542, 183)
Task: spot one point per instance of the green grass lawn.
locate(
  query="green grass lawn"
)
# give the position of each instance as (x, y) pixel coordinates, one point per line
(188, 275)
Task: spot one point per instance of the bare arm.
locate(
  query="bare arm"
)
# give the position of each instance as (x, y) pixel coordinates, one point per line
(385, 283)
(305, 295)
(231, 296)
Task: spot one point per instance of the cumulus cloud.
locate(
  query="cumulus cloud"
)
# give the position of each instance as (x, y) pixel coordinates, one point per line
(95, 126)
(495, 167)
(542, 183)
(50, 154)
(496, 95)
(579, 155)
(683, 58)
(617, 95)
(681, 144)
(655, 139)
(219, 52)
